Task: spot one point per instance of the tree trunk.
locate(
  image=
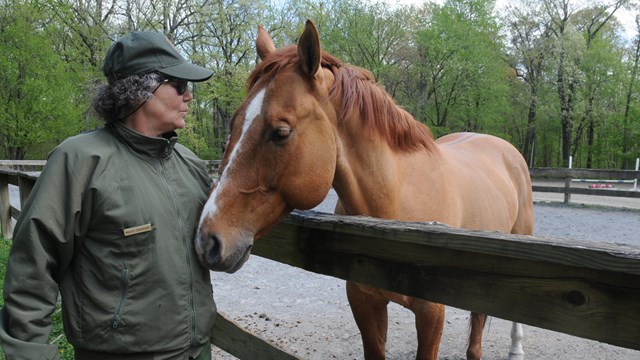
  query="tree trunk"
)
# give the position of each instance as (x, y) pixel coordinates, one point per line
(565, 113)
(590, 129)
(530, 136)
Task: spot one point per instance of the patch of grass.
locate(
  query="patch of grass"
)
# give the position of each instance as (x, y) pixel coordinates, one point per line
(57, 334)
(5, 246)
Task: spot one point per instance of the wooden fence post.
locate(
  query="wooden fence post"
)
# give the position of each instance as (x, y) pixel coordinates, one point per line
(635, 182)
(233, 339)
(26, 183)
(5, 207)
(567, 182)
(567, 188)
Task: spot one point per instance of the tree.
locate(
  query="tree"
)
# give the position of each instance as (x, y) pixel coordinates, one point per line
(460, 73)
(600, 58)
(563, 81)
(570, 51)
(40, 102)
(365, 35)
(226, 47)
(628, 130)
(529, 49)
(84, 29)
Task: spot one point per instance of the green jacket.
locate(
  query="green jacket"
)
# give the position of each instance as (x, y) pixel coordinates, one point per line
(110, 223)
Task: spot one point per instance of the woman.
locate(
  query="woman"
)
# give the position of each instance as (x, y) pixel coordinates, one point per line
(110, 223)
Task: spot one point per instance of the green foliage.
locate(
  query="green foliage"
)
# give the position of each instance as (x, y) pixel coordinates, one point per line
(366, 34)
(191, 138)
(222, 96)
(5, 246)
(460, 74)
(455, 65)
(41, 102)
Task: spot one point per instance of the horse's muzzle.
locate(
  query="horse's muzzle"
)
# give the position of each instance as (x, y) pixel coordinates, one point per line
(216, 255)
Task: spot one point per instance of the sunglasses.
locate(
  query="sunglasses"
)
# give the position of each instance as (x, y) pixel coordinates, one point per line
(179, 84)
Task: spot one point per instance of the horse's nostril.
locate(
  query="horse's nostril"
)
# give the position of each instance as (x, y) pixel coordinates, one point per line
(213, 255)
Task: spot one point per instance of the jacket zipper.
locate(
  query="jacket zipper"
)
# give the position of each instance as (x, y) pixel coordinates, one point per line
(192, 312)
(124, 285)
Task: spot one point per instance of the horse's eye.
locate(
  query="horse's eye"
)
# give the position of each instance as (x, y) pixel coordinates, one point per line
(280, 134)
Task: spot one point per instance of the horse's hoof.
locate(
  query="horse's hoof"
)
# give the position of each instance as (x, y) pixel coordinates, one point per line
(513, 356)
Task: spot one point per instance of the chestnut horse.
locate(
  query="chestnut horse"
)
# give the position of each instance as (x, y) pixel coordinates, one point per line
(310, 123)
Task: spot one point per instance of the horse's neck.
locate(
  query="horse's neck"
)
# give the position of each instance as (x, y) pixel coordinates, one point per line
(367, 180)
(353, 190)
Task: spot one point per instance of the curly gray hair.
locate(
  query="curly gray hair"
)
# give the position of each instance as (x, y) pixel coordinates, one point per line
(115, 101)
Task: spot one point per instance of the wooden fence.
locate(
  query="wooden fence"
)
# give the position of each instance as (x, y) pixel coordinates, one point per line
(568, 176)
(586, 289)
(22, 174)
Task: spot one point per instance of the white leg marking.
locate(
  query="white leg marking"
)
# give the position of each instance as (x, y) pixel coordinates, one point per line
(516, 352)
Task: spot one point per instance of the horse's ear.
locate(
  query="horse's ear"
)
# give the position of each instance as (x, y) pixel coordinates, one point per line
(309, 50)
(264, 43)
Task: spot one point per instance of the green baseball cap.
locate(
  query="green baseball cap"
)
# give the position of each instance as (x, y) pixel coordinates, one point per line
(142, 52)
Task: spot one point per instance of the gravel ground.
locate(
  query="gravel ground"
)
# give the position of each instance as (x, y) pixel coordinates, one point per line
(308, 315)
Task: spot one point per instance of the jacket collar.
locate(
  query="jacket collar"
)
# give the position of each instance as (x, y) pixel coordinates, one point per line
(153, 147)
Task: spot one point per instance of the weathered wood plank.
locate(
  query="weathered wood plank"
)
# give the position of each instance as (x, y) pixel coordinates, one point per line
(586, 289)
(15, 213)
(10, 163)
(10, 175)
(5, 207)
(583, 191)
(26, 182)
(561, 173)
(31, 175)
(581, 253)
(230, 337)
(23, 165)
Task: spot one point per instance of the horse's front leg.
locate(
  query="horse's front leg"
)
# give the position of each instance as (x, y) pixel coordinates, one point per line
(370, 313)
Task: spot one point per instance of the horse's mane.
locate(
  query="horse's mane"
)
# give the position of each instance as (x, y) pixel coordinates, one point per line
(357, 90)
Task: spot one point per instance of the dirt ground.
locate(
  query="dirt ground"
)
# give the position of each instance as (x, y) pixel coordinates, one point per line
(308, 315)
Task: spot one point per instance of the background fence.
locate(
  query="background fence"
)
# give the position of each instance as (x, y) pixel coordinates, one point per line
(587, 289)
(567, 177)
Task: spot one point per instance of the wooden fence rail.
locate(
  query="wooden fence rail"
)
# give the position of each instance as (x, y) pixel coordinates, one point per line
(569, 175)
(587, 289)
(24, 181)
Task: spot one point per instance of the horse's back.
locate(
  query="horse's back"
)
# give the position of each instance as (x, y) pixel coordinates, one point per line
(483, 153)
(492, 178)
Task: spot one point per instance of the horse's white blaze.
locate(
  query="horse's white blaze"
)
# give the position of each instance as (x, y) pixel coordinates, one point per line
(253, 110)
